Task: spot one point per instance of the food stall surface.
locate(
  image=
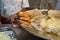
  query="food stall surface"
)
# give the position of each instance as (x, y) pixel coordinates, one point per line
(22, 34)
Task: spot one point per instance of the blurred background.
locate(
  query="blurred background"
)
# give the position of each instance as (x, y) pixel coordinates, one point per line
(42, 4)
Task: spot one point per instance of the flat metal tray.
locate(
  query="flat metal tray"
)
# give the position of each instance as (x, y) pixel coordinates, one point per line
(41, 34)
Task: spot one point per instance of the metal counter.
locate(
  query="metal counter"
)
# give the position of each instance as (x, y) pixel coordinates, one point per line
(21, 34)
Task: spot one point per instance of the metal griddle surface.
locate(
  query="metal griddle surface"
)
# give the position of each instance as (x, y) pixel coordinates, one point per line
(22, 34)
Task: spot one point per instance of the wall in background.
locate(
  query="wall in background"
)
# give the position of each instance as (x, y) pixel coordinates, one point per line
(40, 3)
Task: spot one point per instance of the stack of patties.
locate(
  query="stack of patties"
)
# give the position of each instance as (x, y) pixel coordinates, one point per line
(51, 25)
